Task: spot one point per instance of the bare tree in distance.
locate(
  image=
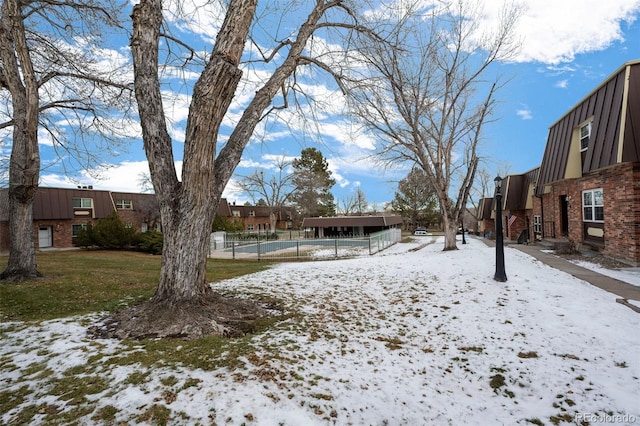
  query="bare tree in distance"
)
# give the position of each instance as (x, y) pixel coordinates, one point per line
(354, 203)
(361, 204)
(183, 303)
(434, 96)
(346, 205)
(56, 84)
(275, 189)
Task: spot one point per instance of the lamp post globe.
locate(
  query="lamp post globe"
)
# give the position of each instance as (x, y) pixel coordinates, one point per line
(500, 274)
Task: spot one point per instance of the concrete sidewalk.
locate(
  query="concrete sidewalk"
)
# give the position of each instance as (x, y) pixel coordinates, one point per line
(624, 290)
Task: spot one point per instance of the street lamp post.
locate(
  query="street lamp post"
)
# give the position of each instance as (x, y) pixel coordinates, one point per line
(462, 227)
(500, 275)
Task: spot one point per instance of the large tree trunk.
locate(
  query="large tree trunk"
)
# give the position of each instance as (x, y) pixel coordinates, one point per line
(24, 168)
(183, 304)
(187, 207)
(450, 232)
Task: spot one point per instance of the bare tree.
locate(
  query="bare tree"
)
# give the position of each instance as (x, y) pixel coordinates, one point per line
(275, 189)
(361, 204)
(55, 83)
(182, 303)
(347, 205)
(435, 96)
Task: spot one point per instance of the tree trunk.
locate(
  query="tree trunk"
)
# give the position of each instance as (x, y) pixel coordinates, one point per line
(21, 264)
(24, 166)
(187, 207)
(450, 232)
(184, 256)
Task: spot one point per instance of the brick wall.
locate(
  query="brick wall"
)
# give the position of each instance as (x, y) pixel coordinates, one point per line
(621, 188)
(517, 227)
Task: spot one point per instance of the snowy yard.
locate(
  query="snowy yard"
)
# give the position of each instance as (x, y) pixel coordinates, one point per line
(404, 337)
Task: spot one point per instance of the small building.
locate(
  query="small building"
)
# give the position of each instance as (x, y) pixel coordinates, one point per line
(261, 219)
(486, 217)
(348, 226)
(517, 205)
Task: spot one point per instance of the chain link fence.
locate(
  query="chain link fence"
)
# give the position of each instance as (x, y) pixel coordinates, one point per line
(304, 248)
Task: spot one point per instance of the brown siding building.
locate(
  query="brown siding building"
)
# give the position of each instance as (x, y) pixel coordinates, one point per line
(588, 188)
(59, 213)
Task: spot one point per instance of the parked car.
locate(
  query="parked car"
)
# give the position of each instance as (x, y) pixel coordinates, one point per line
(421, 231)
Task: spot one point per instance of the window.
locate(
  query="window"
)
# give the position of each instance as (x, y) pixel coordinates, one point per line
(236, 213)
(593, 205)
(83, 203)
(250, 227)
(124, 204)
(144, 227)
(537, 224)
(252, 213)
(585, 134)
(75, 229)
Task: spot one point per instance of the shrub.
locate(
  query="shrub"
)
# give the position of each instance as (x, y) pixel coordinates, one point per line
(107, 233)
(85, 237)
(149, 242)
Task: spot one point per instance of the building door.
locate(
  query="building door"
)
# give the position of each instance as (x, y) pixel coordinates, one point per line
(45, 236)
(564, 215)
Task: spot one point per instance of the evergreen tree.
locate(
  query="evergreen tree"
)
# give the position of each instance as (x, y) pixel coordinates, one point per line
(416, 200)
(312, 180)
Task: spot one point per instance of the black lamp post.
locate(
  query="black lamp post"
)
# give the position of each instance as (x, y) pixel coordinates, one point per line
(500, 275)
(462, 227)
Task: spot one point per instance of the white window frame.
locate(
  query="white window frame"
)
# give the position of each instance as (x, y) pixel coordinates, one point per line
(592, 202)
(537, 224)
(84, 203)
(235, 213)
(252, 213)
(124, 204)
(585, 136)
(250, 227)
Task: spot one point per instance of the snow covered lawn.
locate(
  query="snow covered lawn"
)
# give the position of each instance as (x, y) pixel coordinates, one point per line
(403, 337)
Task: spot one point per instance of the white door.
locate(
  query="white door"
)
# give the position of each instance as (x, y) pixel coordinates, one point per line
(45, 236)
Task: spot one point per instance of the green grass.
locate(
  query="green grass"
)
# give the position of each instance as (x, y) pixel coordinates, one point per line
(79, 282)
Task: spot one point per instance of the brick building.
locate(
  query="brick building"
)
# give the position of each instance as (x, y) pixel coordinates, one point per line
(588, 188)
(260, 219)
(60, 213)
(517, 205)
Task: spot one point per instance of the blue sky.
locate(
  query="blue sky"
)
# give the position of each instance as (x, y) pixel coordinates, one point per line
(569, 47)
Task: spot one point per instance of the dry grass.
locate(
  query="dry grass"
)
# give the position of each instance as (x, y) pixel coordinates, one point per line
(80, 281)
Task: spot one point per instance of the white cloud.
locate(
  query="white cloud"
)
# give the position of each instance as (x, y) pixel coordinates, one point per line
(554, 32)
(123, 177)
(524, 113)
(562, 84)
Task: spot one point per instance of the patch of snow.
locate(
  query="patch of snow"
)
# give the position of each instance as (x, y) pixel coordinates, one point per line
(630, 275)
(401, 337)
